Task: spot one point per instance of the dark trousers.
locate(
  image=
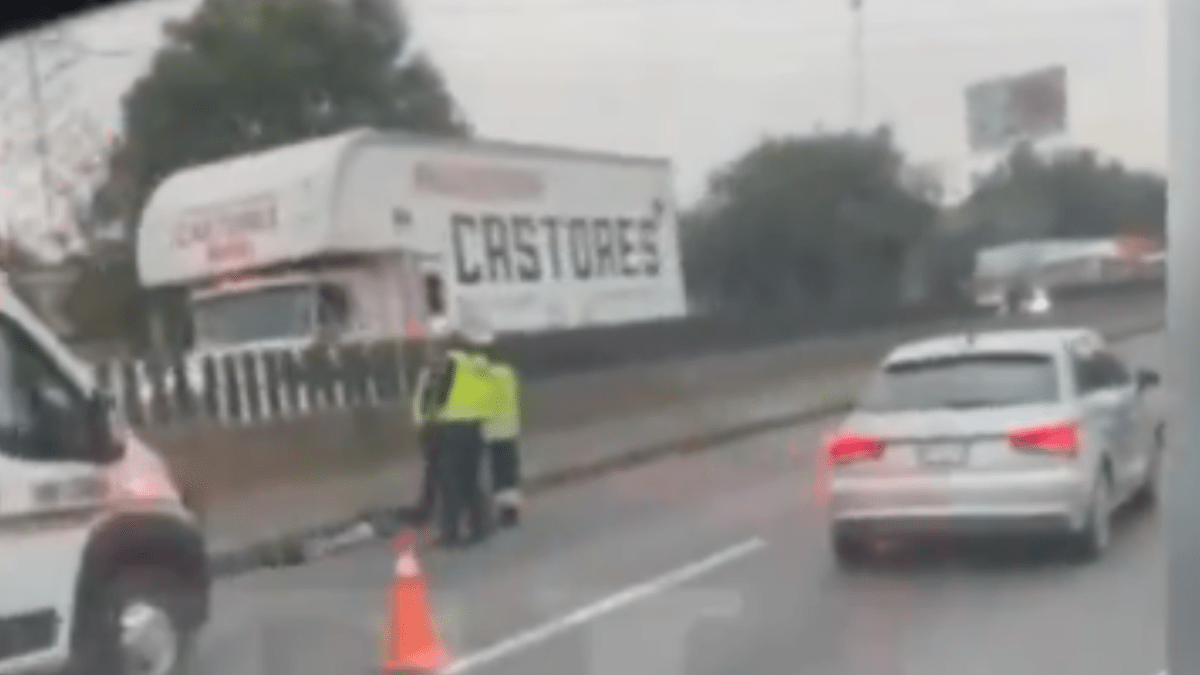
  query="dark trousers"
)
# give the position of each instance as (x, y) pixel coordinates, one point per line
(427, 501)
(506, 465)
(458, 453)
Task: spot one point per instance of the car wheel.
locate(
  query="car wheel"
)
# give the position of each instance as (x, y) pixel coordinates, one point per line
(851, 552)
(1147, 494)
(1094, 539)
(135, 625)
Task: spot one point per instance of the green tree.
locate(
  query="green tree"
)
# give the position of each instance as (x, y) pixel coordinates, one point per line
(1071, 194)
(241, 76)
(104, 304)
(819, 223)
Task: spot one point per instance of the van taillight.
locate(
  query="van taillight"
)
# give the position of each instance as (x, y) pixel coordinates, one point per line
(846, 448)
(1056, 438)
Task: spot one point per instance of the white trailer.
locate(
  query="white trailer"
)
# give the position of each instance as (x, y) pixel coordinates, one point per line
(1045, 264)
(338, 237)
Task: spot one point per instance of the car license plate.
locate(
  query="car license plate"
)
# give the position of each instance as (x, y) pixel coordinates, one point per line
(944, 454)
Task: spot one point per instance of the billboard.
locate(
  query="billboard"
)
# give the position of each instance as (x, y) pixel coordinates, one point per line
(1002, 112)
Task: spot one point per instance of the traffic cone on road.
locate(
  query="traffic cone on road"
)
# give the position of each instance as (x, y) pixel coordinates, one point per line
(413, 646)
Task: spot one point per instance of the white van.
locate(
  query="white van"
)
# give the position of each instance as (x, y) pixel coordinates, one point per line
(103, 568)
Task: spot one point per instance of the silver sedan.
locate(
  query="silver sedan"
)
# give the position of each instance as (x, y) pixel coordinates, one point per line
(995, 432)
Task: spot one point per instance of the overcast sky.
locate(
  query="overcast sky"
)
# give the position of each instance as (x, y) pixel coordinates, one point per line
(701, 80)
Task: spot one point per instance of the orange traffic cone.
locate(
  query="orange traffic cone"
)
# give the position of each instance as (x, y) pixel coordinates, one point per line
(413, 645)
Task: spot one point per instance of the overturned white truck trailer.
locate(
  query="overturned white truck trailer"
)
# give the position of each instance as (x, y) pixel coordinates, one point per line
(340, 237)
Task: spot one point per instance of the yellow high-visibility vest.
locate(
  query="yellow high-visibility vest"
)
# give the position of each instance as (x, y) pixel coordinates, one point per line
(472, 391)
(505, 420)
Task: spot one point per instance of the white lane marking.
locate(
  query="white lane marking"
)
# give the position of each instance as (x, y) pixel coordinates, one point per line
(633, 594)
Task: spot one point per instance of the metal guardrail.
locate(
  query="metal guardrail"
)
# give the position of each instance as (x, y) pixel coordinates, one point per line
(261, 386)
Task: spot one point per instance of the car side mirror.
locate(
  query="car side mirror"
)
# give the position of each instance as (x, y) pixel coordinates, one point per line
(1147, 379)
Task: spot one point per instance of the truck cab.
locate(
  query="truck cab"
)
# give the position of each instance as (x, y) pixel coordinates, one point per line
(284, 250)
(292, 311)
(103, 568)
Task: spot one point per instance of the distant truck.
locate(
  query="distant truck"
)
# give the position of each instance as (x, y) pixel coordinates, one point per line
(1048, 265)
(341, 239)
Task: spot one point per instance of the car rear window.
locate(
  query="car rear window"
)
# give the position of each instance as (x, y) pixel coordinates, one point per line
(971, 381)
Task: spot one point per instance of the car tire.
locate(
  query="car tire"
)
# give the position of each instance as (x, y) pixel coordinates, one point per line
(851, 552)
(1090, 543)
(135, 625)
(1147, 495)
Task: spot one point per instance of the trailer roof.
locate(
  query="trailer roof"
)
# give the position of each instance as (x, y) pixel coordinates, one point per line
(289, 191)
(256, 190)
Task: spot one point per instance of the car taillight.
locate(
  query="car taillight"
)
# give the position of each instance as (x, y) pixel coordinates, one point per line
(846, 448)
(1056, 438)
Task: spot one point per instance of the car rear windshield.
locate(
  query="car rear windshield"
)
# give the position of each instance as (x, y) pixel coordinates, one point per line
(974, 381)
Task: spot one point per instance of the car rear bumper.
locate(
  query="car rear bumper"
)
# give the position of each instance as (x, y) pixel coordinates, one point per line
(955, 526)
(961, 504)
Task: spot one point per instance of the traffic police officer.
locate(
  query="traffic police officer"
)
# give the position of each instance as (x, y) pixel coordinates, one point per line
(460, 399)
(501, 432)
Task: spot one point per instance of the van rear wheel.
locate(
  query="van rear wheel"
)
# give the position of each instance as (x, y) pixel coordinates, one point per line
(135, 625)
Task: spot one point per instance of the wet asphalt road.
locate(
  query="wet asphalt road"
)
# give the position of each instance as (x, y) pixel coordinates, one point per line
(715, 564)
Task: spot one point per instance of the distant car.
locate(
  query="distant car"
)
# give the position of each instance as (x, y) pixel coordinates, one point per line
(1037, 301)
(1019, 431)
(1025, 300)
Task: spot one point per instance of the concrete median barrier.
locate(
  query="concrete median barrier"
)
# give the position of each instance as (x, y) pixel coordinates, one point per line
(362, 449)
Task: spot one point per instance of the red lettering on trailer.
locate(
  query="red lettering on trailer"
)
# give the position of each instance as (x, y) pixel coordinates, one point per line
(230, 250)
(225, 230)
(478, 182)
